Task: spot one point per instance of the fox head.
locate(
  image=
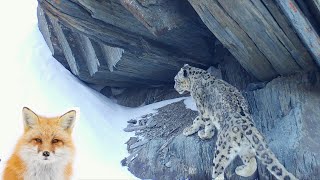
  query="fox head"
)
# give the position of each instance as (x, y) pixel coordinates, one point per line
(46, 140)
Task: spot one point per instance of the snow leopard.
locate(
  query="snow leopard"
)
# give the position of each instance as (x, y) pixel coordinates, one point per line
(221, 106)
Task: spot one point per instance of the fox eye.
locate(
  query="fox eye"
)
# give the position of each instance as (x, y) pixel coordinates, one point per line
(55, 140)
(38, 140)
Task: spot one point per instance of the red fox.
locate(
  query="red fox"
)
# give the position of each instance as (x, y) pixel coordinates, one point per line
(45, 150)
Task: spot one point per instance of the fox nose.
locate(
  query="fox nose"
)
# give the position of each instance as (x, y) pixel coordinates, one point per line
(46, 153)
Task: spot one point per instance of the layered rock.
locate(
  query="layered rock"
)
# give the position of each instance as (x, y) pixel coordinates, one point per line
(103, 43)
(286, 111)
(130, 43)
(259, 35)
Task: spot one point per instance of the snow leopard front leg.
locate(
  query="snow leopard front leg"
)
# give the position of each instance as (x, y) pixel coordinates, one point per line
(209, 125)
(197, 123)
(208, 131)
(200, 121)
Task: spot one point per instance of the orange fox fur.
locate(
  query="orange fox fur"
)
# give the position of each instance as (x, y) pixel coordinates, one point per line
(45, 150)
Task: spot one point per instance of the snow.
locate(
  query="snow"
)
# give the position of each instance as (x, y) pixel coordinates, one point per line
(190, 104)
(31, 77)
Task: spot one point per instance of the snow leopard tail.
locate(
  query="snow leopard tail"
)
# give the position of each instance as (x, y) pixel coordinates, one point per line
(266, 155)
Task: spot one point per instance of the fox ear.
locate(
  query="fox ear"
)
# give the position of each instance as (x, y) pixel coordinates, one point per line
(67, 120)
(30, 119)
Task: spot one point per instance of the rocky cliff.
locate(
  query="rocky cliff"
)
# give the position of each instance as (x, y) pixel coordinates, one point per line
(131, 50)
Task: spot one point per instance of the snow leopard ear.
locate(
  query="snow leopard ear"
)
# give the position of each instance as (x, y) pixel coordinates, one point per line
(185, 68)
(67, 120)
(185, 73)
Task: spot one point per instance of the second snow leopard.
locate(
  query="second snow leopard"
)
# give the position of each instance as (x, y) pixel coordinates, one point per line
(223, 107)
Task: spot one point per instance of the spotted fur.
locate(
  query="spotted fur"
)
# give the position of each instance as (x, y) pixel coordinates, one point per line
(221, 106)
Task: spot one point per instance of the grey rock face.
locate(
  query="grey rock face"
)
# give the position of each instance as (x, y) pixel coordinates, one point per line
(133, 97)
(107, 43)
(128, 43)
(260, 34)
(167, 155)
(286, 111)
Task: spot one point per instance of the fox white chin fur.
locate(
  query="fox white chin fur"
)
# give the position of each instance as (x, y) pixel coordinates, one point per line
(41, 168)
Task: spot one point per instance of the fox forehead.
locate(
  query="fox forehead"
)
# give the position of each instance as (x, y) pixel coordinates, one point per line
(50, 121)
(47, 128)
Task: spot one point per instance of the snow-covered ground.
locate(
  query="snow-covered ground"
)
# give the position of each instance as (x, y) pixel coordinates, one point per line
(31, 77)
